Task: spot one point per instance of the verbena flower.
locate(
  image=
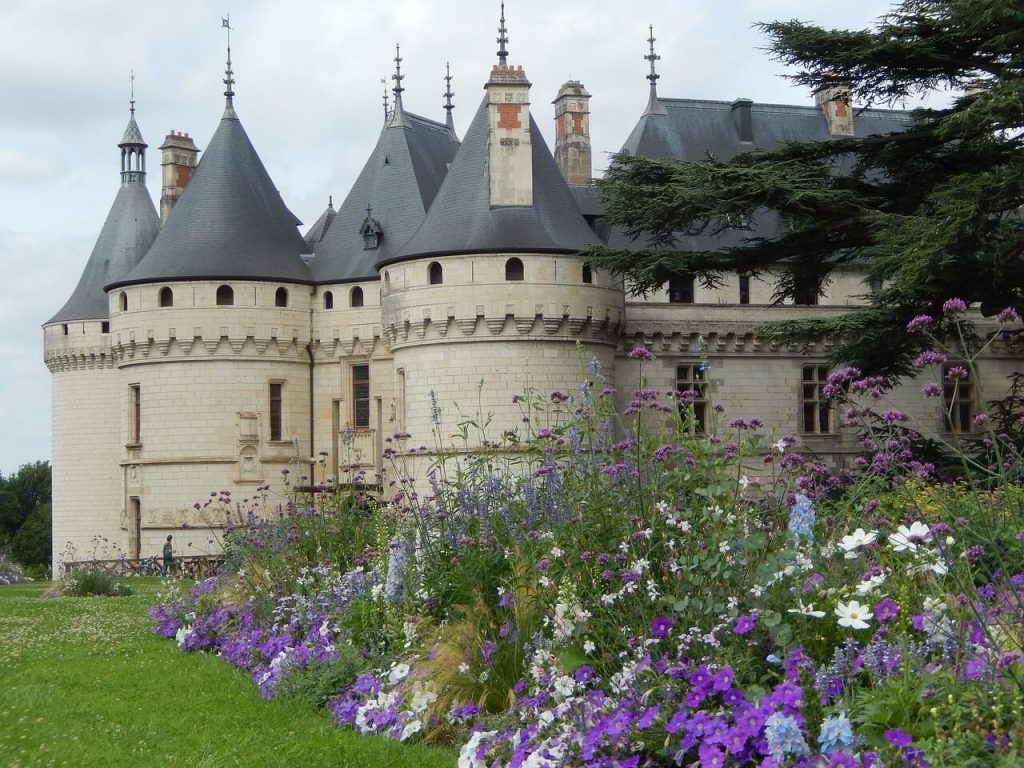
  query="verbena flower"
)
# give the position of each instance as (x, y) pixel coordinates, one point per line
(640, 353)
(954, 306)
(919, 322)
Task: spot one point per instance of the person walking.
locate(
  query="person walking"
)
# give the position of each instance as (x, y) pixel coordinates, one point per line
(168, 555)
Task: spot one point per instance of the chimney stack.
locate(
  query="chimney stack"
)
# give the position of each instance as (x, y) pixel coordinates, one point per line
(834, 101)
(743, 120)
(178, 160)
(572, 133)
(509, 150)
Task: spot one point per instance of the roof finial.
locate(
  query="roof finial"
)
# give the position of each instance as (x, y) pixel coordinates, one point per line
(502, 38)
(398, 77)
(131, 80)
(448, 94)
(653, 105)
(330, 202)
(229, 75)
(387, 104)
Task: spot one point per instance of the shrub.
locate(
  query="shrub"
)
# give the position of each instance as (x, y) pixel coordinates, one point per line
(90, 583)
(313, 684)
(10, 572)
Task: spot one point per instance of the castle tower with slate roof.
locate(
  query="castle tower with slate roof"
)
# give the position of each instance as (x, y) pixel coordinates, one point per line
(223, 348)
(488, 298)
(87, 406)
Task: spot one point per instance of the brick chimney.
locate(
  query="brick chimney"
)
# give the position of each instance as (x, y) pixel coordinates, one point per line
(178, 160)
(834, 101)
(509, 148)
(572, 132)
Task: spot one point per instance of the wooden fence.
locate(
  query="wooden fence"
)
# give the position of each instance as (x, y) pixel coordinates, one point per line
(188, 567)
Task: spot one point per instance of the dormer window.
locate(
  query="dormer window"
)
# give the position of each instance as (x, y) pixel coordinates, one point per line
(371, 231)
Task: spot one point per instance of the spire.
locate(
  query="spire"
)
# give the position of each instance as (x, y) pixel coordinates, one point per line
(654, 106)
(448, 94)
(387, 104)
(133, 146)
(229, 75)
(502, 39)
(398, 115)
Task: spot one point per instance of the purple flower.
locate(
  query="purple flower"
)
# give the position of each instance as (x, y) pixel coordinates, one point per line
(886, 610)
(1008, 315)
(931, 390)
(722, 680)
(954, 307)
(711, 756)
(896, 736)
(744, 624)
(956, 372)
(918, 323)
(583, 675)
(929, 357)
(640, 353)
(660, 627)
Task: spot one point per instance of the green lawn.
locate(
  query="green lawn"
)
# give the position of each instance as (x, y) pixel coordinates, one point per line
(84, 683)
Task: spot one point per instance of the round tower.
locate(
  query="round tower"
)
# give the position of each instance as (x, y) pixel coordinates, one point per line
(210, 336)
(91, 515)
(489, 298)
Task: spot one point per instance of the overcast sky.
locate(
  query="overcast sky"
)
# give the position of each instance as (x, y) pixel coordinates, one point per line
(308, 92)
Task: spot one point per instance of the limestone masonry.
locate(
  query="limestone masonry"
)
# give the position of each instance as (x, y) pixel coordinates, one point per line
(211, 347)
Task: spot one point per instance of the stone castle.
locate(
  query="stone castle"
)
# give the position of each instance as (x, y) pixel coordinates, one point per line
(212, 346)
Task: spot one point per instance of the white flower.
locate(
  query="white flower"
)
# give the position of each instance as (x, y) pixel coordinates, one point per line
(556, 552)
(467, 755)
(723, 547)
(662, 507)
(182, 635)
(908, 538)
(398, 673)
(544, 581)
(744, 482)
(807, 610)
(780, 446)
(589, 647)
(857, 539)
(463, 667)
(869, 584)
(413, 726)
(853, 615)
(757, 590)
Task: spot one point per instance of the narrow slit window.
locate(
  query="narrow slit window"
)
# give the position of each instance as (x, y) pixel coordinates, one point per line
(276, 410)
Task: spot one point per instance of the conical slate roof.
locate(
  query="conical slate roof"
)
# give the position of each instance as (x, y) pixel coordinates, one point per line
(461, 220)
(132, 134)
(229, 223)
(398, 183)
(129, 231)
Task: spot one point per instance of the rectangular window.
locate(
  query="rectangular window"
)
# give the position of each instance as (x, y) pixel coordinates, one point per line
(744, 289)
(816, 415)
(692, 385)
(135, 416)
(276, 388)
(361, 396)
(957, 398)
(680, 290)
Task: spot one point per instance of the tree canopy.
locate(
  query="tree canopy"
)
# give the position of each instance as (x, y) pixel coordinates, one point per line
(929, 213)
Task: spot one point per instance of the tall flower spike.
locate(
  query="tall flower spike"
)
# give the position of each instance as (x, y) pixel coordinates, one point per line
(502, 39)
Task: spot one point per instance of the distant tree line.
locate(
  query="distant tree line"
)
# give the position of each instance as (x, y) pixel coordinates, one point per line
(25, 527)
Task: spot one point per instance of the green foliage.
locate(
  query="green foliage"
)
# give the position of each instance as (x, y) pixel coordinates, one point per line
(25, 516)
(932, 212)
(86, 583)
(312, 685)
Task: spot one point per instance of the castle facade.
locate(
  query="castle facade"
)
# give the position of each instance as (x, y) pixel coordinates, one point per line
(212, 346)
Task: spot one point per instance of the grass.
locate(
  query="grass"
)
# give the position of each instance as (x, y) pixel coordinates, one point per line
(84, 683)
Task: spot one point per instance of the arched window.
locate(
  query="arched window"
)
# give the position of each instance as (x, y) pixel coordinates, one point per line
(435, 274)
(281, 297)
(356, 297)
(328, 300)
(123, 301)
(387, 281)
(588, 274)
(166, 297)
(513, 269)
(225, 296)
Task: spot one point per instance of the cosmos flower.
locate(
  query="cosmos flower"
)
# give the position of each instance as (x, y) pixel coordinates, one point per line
(853, 615)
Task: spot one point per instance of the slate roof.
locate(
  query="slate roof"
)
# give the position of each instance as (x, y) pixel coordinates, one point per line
(229, 223)
(129, 231)
(132, 134)
(691, 129)
(316, 232)
(399, 182)
(461, 219)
